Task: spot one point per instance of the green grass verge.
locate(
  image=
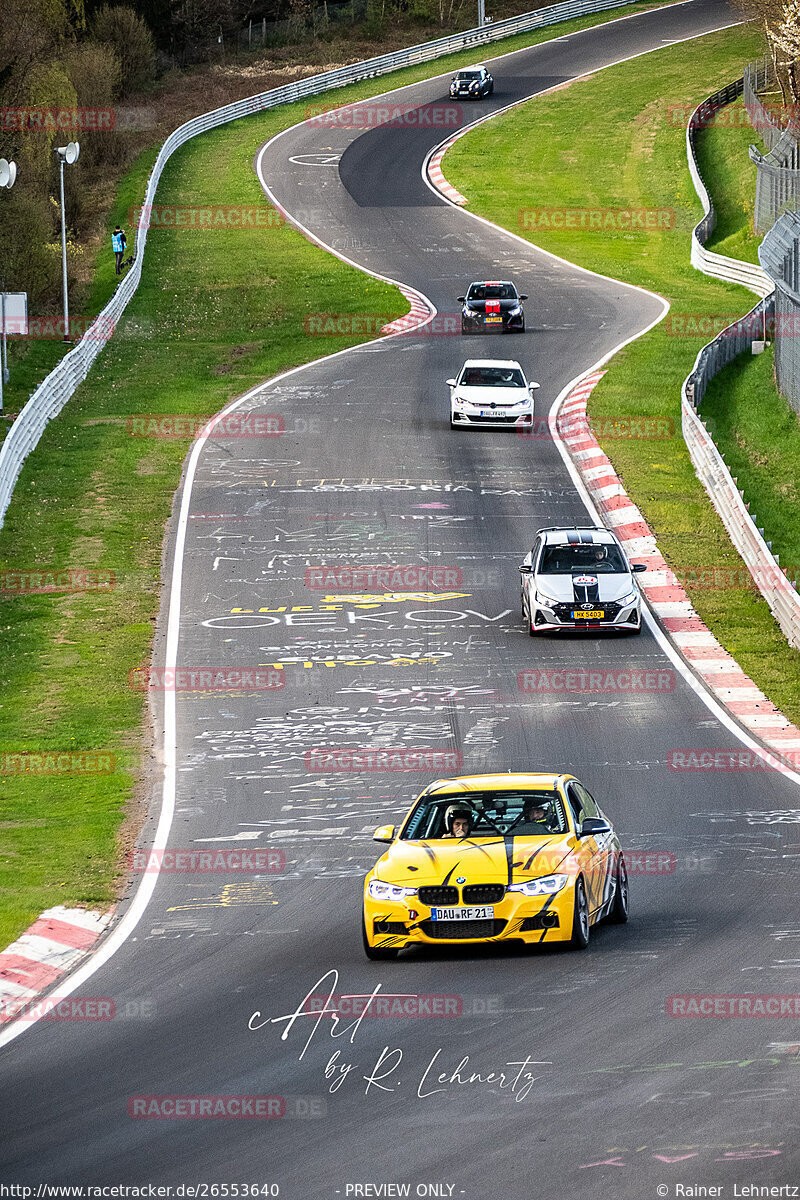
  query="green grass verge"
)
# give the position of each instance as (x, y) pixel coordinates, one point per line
(759, 435)
(634, 155)
(215, 314)
(731, 181)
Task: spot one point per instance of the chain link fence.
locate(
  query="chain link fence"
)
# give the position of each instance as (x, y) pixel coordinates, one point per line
(315, 21)
(756, 326)
(779, 255)
(777, 171)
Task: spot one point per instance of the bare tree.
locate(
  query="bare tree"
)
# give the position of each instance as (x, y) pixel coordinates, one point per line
(784, 35)
(769, 13)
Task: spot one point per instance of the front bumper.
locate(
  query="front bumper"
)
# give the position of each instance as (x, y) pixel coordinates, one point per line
(478, 322)
(516, 918)
(559, 615)
(471, 418)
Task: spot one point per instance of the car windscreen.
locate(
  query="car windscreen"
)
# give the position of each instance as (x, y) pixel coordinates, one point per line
(492, 377)
(524, 813)
(468, 75)
(601, 559)
(492, 291)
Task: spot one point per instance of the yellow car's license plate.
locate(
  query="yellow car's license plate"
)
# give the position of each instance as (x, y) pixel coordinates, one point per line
(587, 614)
(483, 912)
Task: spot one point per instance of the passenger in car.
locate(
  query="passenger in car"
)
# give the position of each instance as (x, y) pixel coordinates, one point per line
(537, 818)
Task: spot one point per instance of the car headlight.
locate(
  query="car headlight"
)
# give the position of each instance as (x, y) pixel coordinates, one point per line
(543, 598)
(388, 891)
(548, 885)
(629, 598)
(459, 401)
(473, 87)
(514, 312)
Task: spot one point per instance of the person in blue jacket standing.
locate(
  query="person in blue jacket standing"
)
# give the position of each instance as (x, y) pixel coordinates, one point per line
(118, 244)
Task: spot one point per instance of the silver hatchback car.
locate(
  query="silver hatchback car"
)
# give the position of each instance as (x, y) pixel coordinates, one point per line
(579, 579)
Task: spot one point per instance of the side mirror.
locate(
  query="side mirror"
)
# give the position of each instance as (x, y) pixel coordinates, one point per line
(593, 826)
(533, 386)
(451, 382)
(525, 569)
(384, 833)
(461, 299)
(638, 567)
(523, 296)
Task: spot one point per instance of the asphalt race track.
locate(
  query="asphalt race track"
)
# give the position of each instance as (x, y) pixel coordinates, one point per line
(611, 1096)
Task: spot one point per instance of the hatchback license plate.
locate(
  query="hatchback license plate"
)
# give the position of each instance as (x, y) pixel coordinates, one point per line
(588, 614)
(493, 320)
(484, 912)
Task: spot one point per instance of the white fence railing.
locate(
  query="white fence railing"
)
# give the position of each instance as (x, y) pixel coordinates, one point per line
(54, 392)
(733, 270)
(779, 593)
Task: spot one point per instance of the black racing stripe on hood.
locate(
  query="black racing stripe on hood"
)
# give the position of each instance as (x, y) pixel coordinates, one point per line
(527, 864)
(586, 593)
(430, 853)
(558, 864)
(509, 842)
(450, 872)
(482, 849)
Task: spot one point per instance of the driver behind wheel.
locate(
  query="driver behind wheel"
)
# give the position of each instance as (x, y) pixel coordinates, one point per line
(457, 822)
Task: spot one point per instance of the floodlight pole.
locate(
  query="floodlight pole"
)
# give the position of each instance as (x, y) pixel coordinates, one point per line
(8, 173)
(67, 154)
(4, 373)
(481, 13)
(64, 251)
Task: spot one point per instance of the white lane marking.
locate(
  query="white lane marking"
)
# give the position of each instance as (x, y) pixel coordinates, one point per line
(315, 160)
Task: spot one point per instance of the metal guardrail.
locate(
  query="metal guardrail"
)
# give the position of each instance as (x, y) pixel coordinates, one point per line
(779, 593)
(777, 171)
(733, 270)
(54, 392)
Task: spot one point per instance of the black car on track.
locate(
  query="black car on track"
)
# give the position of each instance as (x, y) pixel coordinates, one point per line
(472, 83)
(492, 305)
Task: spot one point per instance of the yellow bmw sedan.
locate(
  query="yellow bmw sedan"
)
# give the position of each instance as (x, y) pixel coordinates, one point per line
(495, 858)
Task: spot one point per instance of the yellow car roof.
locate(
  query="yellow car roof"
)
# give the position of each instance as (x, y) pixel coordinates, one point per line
(504, 782)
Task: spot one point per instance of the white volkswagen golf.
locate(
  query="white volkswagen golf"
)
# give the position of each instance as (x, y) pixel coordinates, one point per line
(491, 392)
